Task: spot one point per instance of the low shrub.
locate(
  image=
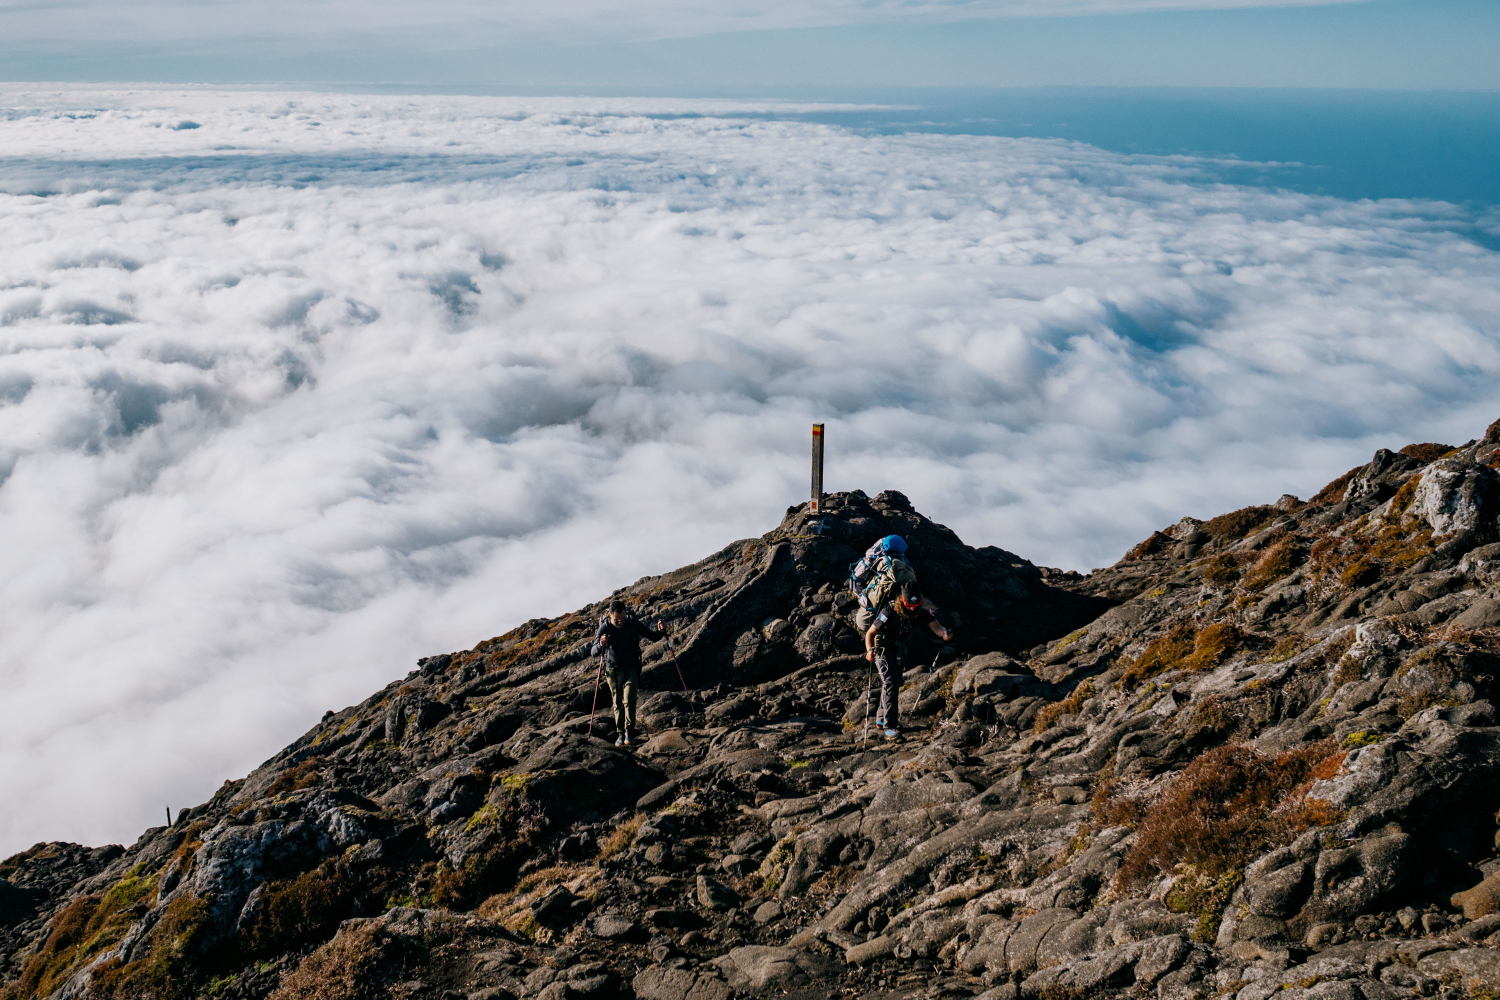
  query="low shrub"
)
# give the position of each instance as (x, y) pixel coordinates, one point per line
(1211, 722)
(86, 927)
(1238, 523)
(303, 775)
(1361, 572)
(1428, 451)
(1050, 714)
(1161, 654)
(1226, 808)
(1223, 570)
(1213, 645)
(300, 911)
(172, 965)
(1276, 562)
(622, 838)
(361, 963)
(1334, 491)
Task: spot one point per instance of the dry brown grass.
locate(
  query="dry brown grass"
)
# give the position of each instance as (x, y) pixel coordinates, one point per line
(358, 964)
(1161, 654)
(300, 911)
(1050, 714)
(622, 838)
(1427, 451)
(1238, 523)
(1274, 563)
(1334, 491)
(1228, 807)
(303, 775)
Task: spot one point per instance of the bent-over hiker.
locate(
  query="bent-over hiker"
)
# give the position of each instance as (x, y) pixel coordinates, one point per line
(619, 642)
(885, 646)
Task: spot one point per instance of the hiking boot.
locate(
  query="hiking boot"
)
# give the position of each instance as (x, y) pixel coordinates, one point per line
(629, 737)
(620, 741)
(891, 732)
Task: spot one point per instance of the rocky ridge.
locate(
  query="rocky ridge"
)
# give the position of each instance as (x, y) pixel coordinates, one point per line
(1257, 756)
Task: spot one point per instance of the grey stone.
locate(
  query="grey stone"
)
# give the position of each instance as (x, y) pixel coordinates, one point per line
(1483, 613)
(657, 983)
(1457, 496)
(767, 912)
(716, 895)
(611, 925)
(758, 968)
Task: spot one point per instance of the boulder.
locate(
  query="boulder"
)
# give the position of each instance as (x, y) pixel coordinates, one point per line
(714, 895)
(758, 968)
(1456, 496)
(658, 983)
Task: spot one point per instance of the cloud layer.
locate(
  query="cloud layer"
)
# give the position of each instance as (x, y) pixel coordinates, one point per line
(470, 22)
(297, 388)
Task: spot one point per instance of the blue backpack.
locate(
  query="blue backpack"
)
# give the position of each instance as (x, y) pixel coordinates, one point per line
(881, 572)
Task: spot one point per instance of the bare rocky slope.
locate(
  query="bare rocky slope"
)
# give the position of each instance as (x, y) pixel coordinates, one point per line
(1256, 757)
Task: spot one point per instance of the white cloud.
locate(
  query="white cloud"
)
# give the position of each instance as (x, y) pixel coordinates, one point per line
(475, 22)
(326, 383)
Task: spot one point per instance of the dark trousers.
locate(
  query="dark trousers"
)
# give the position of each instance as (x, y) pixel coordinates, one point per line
(888, 666)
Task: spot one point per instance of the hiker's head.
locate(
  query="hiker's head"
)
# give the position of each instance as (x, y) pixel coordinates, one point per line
(911, 597)
(893, 545)
(616, 611)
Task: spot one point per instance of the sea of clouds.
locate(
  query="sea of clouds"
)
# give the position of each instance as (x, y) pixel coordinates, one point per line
(296, 388)
(473, 22)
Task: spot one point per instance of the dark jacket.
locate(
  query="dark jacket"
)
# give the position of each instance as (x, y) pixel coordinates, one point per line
(894, 625)
(623, 651)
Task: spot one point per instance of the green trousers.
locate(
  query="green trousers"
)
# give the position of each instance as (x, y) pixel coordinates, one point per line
(622, 688)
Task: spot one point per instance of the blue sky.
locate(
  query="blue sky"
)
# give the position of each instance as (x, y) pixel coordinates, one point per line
(674, 46)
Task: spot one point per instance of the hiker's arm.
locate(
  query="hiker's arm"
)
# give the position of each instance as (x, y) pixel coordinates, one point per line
(653, 634)
(870, 641)
(601, 639)
(939, 631)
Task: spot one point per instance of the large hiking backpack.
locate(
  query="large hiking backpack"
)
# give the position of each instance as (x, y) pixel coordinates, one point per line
(880, 574)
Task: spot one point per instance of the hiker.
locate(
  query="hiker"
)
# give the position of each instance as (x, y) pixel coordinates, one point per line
(878, 577)
(885, 646)
(619, 642)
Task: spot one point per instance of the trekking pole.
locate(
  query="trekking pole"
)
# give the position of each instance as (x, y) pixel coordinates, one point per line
(594, 707)
(869, 682)
(673, 650)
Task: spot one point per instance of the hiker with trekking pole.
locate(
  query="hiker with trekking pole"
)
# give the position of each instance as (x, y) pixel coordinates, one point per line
(885, 647)
(618, 645)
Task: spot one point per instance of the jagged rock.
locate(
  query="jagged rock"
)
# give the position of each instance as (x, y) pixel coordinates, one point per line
(1457, 496)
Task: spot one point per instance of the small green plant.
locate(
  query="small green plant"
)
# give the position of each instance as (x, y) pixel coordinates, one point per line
(1361, 738)
(1204, 896)
(1068, 640)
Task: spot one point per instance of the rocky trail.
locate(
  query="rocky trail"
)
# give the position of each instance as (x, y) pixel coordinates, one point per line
(1257, 757)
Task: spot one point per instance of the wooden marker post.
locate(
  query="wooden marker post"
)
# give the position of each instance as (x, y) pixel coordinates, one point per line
(817, 469)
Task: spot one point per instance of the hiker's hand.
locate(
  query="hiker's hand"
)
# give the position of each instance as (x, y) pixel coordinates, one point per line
(604, 638)
(947, 634)
(659, 626)
(870, 655)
